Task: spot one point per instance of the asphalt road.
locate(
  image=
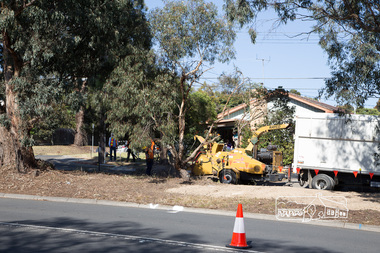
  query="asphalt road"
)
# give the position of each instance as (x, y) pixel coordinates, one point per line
(44, 226)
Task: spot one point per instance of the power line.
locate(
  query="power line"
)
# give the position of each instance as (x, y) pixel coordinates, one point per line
(285, 38)
(214, 84)
(277, 78)
(285, 43)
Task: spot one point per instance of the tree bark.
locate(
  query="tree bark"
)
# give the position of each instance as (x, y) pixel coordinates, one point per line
(80, 138)
(12, 153)
(164, 155)
(80, 134)
(178, 165)
(102, 144)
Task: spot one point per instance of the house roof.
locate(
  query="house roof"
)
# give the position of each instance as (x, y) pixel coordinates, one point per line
(314, 103)
(308, 101)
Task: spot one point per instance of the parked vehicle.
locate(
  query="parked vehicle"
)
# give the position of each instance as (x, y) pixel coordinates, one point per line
(240, 164)
(331, 149)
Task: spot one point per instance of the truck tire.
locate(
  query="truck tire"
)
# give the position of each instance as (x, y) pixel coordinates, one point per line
(227, 177)
(322, 182)
(303, 180)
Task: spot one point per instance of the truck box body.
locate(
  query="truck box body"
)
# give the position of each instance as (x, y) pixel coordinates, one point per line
(330, 142)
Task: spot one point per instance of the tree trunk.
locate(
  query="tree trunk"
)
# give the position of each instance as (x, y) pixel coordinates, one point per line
(80, 135)
(178, 165)
(181, 134)
(102, 144)
(12, 153)
(164, 155)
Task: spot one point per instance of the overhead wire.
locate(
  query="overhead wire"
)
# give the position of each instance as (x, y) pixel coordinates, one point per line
(284, 38)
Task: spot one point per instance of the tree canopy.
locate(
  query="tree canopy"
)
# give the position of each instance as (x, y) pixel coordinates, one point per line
(349, 33)
(191, 32)
(47, 47)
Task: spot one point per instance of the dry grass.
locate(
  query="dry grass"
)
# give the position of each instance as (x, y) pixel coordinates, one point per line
(62, 150)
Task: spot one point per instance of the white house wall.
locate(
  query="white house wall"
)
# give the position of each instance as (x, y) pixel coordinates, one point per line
(237, 115)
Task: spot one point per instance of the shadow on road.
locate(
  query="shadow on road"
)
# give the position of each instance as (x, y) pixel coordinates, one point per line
(72, 235)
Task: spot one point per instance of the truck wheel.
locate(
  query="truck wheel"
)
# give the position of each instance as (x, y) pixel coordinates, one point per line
(303, 180)
(322, 182)
(332, 182)
(227, 177)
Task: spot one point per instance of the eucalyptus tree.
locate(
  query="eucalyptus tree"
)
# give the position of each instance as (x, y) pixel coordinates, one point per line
(188, 35)
(349, 32)
(105, 31)
(141, 99)
(48, 47)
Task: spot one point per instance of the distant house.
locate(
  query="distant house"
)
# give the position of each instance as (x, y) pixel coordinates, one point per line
(255, 113)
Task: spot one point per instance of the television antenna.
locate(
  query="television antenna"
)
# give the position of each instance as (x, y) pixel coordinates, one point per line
(263, 63)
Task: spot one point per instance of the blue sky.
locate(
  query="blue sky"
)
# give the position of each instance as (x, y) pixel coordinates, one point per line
(279, 57)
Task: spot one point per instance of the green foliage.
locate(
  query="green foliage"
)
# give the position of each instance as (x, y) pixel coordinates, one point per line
(368, 111)
(201, 112)
(59, 117)
(294, 91)
(221, 99)
(350, 34)
(187, 29)
(54, 45)
(240, 12)
(347, 108)
(141, 99)
(246, 136)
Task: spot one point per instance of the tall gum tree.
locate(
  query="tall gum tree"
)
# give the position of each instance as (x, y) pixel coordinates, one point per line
(110, 28)
(189, 35)
(19, 26)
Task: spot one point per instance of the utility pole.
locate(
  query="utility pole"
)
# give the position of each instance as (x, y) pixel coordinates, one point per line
(263, 62)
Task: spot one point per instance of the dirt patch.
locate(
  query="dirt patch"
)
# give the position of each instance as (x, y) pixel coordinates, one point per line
(162, 189)
(355, 200)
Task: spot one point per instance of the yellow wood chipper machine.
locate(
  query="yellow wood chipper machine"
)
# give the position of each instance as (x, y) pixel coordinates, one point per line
(239, 164)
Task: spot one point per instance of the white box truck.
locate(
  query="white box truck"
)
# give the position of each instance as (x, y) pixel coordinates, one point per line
(332, 149)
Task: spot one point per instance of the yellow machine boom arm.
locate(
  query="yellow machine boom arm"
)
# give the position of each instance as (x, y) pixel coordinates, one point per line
(255, 137)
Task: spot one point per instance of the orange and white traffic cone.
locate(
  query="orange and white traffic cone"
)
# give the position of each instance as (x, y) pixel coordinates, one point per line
(238, 236)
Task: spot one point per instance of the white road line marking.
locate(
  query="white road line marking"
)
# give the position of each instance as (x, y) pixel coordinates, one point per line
(140, 239)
